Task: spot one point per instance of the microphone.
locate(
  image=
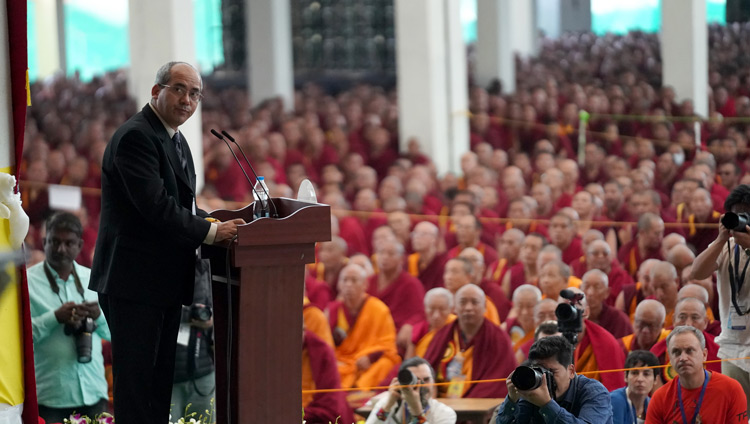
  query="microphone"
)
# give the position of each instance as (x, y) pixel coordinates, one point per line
(226, 134)
(217, 135)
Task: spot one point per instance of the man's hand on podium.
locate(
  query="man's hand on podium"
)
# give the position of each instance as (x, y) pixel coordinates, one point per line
(227, 229)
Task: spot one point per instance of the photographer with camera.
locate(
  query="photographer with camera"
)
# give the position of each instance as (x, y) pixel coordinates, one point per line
(546, 389)
(413, 404)
(729, 256)
(67, 325)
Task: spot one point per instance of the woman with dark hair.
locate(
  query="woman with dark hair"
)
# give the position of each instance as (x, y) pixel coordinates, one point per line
(629, 404)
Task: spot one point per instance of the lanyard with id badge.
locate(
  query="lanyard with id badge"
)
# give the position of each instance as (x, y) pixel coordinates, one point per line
(454, 371)
(739, 320)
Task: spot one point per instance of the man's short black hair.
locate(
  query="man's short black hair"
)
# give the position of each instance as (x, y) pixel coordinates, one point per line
(642, 358)
(64, 221)
(552, 346)
(740, 195)
(415, 362)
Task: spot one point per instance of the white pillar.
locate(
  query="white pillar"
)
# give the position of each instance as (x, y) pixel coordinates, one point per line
(270, 67)
(160, 32)
(431, 79)
(504, 28)
(684, 50)
(548, 17)
(48, 37)
(458, 95)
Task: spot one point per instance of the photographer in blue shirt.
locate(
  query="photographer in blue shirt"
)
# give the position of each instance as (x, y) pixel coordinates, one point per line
(560, 396)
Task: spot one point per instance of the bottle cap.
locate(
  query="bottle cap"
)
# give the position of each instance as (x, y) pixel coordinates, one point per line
(260, 178)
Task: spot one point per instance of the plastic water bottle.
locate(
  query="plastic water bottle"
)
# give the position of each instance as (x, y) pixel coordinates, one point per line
(261, 208)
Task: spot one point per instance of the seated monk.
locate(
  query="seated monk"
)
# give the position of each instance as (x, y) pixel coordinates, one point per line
(426, 264)
(319, 372)
(525, 271)
(521, 327)
(702, 212)
(562, 233)
(578, 267)
(493, 291)
(363, 332)
(471, 348)
(332, 257)
(689, 311)
(458, 272)
(648, 328)
(395, 287)
(633, 294)
(598, 350)
(596, 287)
(646, 244)
(315, 321)
(508, 251)
(544, 311)
(665, 283)
(599, 256)
(468, 234)
(552, 253)
(713, 326)
(438, 308)
(553, 278)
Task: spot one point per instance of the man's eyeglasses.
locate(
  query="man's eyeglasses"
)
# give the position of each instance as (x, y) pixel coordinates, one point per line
(195, 95)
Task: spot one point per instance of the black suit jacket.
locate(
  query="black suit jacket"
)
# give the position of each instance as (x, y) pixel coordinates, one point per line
(148, 234)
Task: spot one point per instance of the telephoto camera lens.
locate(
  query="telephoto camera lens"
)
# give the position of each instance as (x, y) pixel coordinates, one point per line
(735, 221)
(526, 378)
(566, 312)
(407, 378)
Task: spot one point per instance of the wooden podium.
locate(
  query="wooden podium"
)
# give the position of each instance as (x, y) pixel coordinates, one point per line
(266, 282)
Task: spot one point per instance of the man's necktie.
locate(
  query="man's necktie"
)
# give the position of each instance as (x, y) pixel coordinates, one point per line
(180, 152)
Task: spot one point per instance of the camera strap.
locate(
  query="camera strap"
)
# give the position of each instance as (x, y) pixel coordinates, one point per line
(53, 283)
(736, 280)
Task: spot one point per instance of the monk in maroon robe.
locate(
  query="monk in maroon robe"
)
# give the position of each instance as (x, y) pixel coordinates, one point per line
(646, 245)
(426, 263)
(595, 285)
(599, 256)
(319, 371)
(562, 233)
(698, 233)
(471, 348)
(395, 287)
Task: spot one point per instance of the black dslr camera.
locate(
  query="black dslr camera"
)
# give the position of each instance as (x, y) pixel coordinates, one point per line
(530, 377)
(735, 221)
(82, 331)
(570, 318)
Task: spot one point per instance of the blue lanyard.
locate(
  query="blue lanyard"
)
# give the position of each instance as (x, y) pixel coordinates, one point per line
(700, 399)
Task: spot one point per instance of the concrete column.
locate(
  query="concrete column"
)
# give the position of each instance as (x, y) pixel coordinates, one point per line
(50, 43)
(160, 32)
(684, 50)
(504, 28)
(431, 79)
(270, 68)
(548, 17)
(458, 96)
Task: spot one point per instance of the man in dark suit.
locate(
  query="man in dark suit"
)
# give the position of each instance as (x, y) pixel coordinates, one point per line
(149, 233)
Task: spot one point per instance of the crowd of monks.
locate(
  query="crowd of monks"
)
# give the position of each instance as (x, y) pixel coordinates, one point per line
(440, 289)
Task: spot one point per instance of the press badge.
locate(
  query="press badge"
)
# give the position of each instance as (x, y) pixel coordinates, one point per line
(183, 337)
(737, 322)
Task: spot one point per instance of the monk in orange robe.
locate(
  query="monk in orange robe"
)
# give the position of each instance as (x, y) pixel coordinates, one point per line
(665, 283)
(458, 272)
(648, 328)
(363, 332)
(319, 371)
(633, 294)
(468, 234)
(471, 348)
(508, 250)
(316, 321)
